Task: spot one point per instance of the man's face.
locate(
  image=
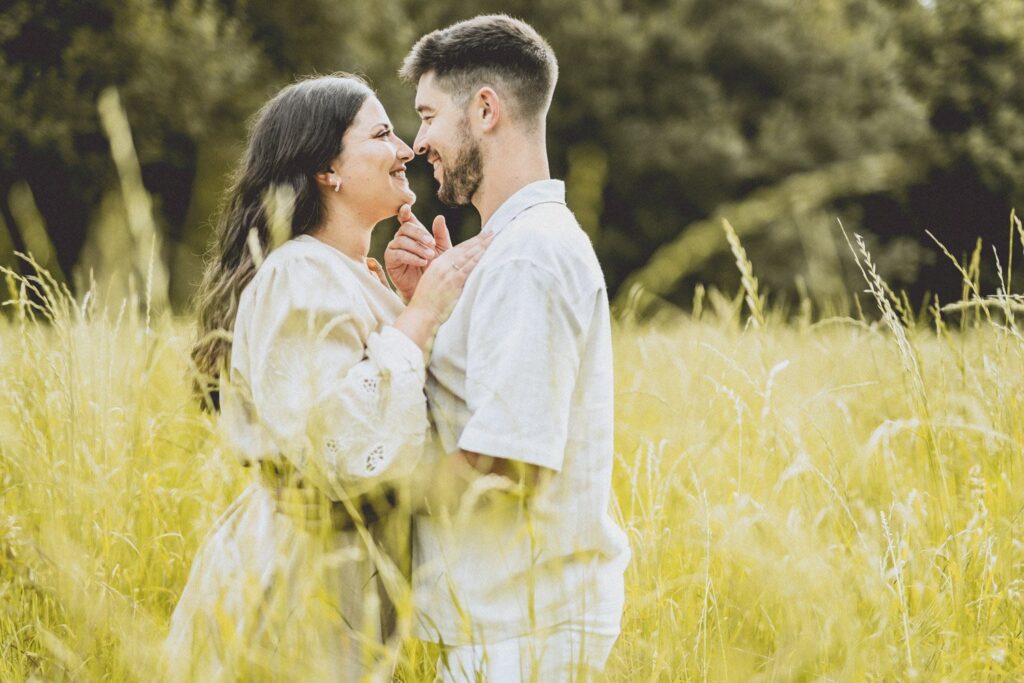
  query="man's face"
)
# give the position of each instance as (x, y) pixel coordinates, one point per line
(445, 136)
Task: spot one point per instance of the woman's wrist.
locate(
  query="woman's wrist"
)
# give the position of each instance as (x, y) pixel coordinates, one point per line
(419, 324)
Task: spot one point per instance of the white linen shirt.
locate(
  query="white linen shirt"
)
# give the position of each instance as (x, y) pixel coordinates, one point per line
(319, 376)
(323, 383)
(522, 370)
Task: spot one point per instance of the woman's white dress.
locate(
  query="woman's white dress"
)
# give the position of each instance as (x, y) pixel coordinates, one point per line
(321, 387)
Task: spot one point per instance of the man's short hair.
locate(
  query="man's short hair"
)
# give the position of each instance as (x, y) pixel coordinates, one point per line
(496, 50)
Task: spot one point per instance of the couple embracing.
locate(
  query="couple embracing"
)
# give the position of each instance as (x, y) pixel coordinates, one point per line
(435, 456)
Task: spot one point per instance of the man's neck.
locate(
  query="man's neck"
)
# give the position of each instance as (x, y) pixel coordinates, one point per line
(508, 170)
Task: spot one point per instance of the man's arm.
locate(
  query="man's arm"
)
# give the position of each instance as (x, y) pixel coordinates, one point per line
(521, 365)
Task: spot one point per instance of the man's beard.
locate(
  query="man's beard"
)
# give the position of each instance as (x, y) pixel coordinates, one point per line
(463, 176)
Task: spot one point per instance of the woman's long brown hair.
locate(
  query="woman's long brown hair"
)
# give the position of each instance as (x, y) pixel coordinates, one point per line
(294, 136)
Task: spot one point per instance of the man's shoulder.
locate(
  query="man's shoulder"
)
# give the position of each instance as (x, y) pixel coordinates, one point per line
(554, 220)
(549, 236)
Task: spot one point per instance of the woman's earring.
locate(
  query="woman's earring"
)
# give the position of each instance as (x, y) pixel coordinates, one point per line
(337, 185)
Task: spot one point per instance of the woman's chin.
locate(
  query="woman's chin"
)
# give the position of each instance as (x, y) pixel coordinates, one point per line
(408, 197)
(402, 199)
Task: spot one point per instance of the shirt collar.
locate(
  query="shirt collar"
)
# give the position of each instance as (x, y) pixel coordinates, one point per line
(537, 192)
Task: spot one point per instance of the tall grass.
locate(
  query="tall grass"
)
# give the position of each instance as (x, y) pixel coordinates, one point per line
(108, 476)
(839, 500)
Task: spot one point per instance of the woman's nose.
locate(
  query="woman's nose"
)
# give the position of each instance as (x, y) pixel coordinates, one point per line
(404, 151)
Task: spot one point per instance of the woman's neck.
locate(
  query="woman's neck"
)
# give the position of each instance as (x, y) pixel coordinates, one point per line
(347, 231)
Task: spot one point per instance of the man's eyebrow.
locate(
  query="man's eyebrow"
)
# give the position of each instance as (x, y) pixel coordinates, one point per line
(420, 108)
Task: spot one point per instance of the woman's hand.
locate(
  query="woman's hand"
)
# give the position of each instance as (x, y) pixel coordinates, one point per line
(442, 282)
(412, 249)
(439, 287)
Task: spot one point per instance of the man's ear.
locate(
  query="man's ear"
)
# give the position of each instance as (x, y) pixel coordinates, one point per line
(487, 108)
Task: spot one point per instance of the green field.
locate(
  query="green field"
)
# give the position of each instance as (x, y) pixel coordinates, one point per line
(835, 499)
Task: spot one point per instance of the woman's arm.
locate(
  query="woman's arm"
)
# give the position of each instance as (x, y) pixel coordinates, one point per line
(347, 415)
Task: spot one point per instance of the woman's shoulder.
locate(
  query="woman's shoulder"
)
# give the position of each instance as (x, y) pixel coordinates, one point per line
(303, 250)
(301, 273)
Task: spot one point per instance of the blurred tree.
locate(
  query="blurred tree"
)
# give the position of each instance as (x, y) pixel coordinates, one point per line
(798, 200)
(187, 74)
(686, 104)
(322, 37)
(733, 96)
(965, 60)
(666, 111)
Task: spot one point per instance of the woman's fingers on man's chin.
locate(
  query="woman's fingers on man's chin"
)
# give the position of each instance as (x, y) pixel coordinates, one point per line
(399, 256)
(410, 259)
(416, 232)
(408, 244)
(405, 214)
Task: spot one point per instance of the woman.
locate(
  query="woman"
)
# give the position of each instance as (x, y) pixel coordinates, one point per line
(323, 393)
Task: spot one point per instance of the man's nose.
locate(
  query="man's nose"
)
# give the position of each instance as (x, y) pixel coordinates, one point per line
(420, 145)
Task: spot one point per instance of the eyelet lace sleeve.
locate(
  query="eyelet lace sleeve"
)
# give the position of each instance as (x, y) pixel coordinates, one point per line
(348, 415)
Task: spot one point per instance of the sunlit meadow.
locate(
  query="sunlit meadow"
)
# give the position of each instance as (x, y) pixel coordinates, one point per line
(807, 497)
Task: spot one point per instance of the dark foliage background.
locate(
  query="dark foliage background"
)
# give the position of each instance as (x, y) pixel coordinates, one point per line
(895, 116)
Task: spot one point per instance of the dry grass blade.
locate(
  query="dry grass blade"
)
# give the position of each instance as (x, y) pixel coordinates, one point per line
(755, 302)
(146, 259)
(777, 484)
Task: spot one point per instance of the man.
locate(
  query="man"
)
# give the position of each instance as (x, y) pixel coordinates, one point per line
(524, 581)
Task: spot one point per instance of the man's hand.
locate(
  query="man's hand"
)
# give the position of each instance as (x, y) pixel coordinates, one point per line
(528, 477)
(412, 249)
(446, 482)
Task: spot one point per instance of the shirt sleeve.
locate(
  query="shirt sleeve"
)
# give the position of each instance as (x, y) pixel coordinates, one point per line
(522, 360)
(348, 415)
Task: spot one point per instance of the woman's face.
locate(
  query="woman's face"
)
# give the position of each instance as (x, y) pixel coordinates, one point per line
(372, 164)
